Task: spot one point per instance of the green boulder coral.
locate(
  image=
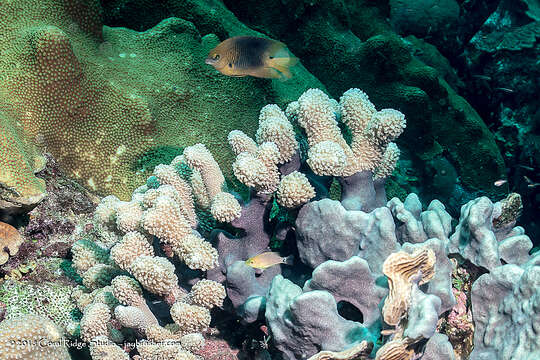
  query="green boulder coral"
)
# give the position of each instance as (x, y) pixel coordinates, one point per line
(99, 98)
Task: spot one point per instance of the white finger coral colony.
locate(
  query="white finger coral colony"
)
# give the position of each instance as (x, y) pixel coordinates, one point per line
(389, 259)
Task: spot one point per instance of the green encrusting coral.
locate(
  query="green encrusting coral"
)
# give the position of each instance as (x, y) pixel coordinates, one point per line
(98, 253)
(155, 156)
(113, 94)
(207, 223)
(19, 160)
(48, 299)
(152, 182)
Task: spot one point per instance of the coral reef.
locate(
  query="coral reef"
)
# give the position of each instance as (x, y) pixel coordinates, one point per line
(371, 277)
(313, 314)
(391, 207)
(365, 53)
(55, 223)
(50, 300)
(267, 166)
(98, 98)
(20, 189)
(351, 44)
(120, 265)
(478, 240)
(488, 58)
(505, 312)
(499, 57)
(31, 337)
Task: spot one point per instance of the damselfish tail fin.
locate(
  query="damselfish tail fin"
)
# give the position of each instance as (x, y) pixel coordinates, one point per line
(283, 64)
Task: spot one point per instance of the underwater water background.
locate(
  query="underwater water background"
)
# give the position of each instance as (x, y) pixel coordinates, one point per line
(276, 179)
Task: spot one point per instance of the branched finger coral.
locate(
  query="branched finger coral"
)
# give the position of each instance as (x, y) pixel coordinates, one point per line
(94, 321)
(132, 245)
(294, 190)
(190, 318)
(118, 275)
(155, 274)
(381, 276)
(267, 166)
(371, 154)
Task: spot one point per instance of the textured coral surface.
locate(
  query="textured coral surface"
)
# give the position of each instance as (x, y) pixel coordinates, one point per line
(98, 98)
(18, 161)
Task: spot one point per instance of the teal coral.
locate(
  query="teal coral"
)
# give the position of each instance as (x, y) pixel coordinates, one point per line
(183, 170)
(155, 156)
(70, 272)
(152, 182)
(207, 223)
(100, 275)
(90, 254)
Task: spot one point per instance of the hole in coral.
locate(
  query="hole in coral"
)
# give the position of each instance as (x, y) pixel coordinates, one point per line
(350, 312)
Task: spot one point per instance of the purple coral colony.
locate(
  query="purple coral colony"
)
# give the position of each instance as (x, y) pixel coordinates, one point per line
(259, 180)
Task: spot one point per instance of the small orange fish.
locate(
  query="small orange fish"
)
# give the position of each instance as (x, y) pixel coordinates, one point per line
(500, 182)
(267, 259)
(254, 56)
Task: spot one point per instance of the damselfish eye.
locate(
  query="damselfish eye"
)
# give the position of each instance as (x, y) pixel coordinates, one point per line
(230, 65)
(216, 57)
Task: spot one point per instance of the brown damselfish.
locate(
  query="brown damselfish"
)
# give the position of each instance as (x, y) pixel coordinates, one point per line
(252, 56)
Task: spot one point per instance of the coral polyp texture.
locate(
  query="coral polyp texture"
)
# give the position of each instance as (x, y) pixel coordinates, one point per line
(99, 98)
(121, 264)
(10, 241)
(31, 337)
(59, 97)
(362, 277)
(506, 312)
(19, 160)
